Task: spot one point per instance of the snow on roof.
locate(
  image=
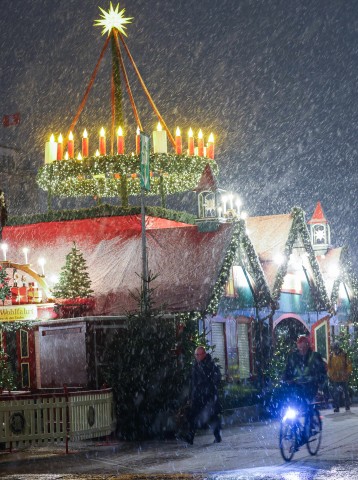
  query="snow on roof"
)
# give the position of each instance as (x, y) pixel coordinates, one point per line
(185, 261)
(269, 235)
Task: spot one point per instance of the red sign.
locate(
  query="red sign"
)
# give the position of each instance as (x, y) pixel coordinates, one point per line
(10, 120)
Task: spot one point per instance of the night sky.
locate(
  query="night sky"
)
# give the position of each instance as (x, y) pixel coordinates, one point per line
(275, 80)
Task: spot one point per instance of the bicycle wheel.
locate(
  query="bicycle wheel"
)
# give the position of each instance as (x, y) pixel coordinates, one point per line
(315, 433)
(288, 440)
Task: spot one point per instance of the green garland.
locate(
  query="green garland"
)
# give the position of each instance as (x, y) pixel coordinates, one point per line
(299, 228)
(348, 277)
(104, 210)
(103, 176)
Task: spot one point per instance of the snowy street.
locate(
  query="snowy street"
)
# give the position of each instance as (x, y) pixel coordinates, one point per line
(246, 452)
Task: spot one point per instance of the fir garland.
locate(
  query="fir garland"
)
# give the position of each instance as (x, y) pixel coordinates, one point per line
(299, 229)
(104, 210)
(101, 176)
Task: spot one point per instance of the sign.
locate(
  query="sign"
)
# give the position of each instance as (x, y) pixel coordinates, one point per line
(18, 312)
(10, 120)
(144, 161)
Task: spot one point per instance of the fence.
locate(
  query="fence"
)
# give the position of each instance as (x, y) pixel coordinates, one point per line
(28, 419)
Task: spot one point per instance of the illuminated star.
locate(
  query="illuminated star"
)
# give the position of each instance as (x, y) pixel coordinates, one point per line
(112, 19)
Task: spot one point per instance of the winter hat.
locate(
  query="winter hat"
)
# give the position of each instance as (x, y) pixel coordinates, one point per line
(303, 339)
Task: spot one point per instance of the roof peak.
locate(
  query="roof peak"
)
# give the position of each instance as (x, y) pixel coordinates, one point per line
(318, 215)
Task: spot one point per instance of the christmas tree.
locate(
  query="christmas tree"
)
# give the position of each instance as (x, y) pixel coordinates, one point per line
(7, 378)
(5, 291)
(74, 279)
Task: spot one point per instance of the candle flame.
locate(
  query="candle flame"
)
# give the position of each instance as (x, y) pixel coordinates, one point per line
(85, 134)
(70, 136)
(79, 157)
(120, 132)
(25, 250)
(177, 132)
(52, 138)
(97, 153)
(190, 133)
(60, 139)
(138, 131)
(159, 127)
(102, 134)
(200, 134)
(211, 138)
(66, 156)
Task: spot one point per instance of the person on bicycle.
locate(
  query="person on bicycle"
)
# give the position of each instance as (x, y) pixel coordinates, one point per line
(305, 370)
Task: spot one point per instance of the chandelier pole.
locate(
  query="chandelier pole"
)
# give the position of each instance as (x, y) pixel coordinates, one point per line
(160, 118)
(85, 96)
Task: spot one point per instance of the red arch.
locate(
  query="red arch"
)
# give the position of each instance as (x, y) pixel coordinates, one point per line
(290, 315)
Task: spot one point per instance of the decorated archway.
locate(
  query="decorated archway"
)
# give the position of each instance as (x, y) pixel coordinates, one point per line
(39, 279)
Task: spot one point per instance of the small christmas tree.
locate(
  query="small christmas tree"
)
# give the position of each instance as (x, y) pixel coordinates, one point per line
(5, 291)
(7, 377)
(74, 279)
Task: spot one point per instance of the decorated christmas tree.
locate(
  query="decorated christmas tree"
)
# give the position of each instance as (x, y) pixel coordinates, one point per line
(74, 279)
(5, 291)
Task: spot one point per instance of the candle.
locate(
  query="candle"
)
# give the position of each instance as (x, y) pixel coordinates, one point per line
(59, 147)
(137, 142)
(190, 142)
(51, 150)
(120, 141)
(70, 146)
(220, 210)
(26, 251)
(178, 142)
(231, 200)
(85, 143)
(102, 142)
(238, 205)
(200, 144)
(210, 147)
(4, 250)
(224, 200)
(42, 262)
(160, 144)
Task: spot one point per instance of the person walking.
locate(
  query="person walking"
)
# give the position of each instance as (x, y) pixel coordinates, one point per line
(339, 371)
(205, 408)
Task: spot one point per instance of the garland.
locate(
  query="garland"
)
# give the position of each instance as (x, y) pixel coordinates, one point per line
(104, 210)
(299, 228)
(348, 277)
(103, 176)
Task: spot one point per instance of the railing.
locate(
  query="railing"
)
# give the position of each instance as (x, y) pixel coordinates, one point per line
(28, 419)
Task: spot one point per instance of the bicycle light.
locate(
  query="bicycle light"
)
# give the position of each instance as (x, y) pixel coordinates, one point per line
(290, 414)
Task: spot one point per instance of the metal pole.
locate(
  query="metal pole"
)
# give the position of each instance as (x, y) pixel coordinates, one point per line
(144, 254)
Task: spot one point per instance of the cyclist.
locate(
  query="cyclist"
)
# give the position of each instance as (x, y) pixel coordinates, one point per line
(305, 371)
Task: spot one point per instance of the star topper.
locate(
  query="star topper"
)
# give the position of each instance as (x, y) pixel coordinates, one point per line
(112, 19)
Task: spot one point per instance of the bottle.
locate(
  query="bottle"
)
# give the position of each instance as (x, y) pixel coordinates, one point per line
(23, 294)
(30, 293)
(15, 294)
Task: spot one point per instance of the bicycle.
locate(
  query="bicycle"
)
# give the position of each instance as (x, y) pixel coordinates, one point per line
(294, 433)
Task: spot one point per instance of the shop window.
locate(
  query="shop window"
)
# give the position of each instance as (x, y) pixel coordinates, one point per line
(25, 375)
(24, 343)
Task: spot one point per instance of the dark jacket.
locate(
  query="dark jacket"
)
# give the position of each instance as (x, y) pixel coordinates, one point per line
(205, 381)
(308, 370)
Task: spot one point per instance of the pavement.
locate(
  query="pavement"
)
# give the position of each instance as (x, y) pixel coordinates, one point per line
(245, 447)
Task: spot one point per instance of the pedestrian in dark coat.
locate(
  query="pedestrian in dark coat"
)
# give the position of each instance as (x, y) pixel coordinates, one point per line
(205, 406)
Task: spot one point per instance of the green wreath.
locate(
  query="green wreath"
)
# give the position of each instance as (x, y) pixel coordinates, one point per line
(104, 176)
